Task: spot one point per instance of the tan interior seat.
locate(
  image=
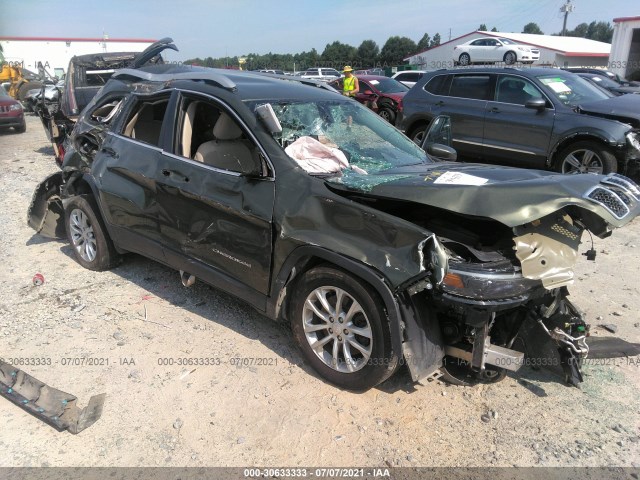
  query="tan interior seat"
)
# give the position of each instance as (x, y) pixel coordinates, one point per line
(187, 130)
(228, 151)
(144, 127)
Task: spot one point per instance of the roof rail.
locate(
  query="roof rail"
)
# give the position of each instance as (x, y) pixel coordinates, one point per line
(304, 81)
(221, 80)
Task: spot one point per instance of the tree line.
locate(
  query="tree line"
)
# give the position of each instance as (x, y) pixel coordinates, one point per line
(335, 55)
(368, 54)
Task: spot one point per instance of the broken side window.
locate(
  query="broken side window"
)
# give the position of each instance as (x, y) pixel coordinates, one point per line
(105, 112)
(145, 120)
(209, 134)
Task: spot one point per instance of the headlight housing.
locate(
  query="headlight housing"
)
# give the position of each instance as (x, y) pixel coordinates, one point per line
(487, 286)
(15, 107)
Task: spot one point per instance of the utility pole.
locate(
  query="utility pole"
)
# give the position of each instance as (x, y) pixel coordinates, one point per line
(449, 34)
(566, 9)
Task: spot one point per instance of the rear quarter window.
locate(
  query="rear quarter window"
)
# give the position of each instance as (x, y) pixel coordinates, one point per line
(437, 85)
(470, 86)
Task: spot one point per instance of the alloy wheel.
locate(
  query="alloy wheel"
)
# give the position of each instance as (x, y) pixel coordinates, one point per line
(582, 161)
(82, 235)
(337, 329)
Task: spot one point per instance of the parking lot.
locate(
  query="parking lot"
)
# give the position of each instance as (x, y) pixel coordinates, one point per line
(194, 377)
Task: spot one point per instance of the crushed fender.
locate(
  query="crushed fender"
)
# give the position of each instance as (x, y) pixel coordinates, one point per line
(46, 213)
(55, 407)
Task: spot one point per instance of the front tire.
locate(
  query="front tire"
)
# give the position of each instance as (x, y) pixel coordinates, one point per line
(586, 157)
(22, 128)
(342, 329)
(510, 58)
(464, 59)
(388, 114)
(92, 247)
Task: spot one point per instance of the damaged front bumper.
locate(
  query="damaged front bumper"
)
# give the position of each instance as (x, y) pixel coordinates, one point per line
(496, 310)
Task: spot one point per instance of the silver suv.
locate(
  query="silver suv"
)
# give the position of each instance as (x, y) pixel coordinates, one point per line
(324, 74)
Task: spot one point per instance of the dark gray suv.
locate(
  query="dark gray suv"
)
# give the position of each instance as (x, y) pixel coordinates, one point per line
(316, 211)
(531, 117)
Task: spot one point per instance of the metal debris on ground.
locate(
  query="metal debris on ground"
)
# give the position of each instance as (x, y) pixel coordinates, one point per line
(55, 407)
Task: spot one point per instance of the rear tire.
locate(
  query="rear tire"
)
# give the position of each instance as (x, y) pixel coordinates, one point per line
(464, 59)
(586, 157)
(342, 329)
(92, 247)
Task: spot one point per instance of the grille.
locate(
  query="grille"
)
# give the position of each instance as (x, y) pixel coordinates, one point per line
(4, 109)
(628, 185)
(609, 200)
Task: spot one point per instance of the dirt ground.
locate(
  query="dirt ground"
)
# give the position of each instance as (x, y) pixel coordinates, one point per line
(142, 321)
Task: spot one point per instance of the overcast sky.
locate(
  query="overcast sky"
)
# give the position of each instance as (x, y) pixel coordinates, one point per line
(236, 27)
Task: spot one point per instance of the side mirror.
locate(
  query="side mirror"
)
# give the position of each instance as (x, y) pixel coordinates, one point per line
(439, 132)
(442, 152)
(536, 104)
(268, 117)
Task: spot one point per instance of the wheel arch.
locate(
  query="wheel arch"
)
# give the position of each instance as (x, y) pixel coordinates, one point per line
(306, 257)
(504, 57)
(563, 143)
(423, 121)
(83, 184)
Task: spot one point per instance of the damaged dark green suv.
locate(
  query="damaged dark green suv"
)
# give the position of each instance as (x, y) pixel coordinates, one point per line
(315, 211)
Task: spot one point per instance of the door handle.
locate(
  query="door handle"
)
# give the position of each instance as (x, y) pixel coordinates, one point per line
(440, 103)
(495, 110)
(175, 175)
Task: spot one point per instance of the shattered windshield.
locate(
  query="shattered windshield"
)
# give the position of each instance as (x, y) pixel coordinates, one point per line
(333, 137)
(571, 90)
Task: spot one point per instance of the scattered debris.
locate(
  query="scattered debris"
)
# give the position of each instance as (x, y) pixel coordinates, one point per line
(178, 424)
(38, 279)
(610, 327)
(616, 314)
(186, 373)
(55, 407)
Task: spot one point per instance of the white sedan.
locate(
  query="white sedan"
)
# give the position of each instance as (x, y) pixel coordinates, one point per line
(490, 49)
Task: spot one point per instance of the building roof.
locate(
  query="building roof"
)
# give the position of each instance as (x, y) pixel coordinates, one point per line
(569, 46)
(625, 19)
(79, 39)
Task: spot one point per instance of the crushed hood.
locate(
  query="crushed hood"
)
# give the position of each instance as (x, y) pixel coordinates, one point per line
(512, 196)
(622, 107)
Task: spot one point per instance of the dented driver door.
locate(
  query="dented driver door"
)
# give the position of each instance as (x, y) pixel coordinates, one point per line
(216, 219)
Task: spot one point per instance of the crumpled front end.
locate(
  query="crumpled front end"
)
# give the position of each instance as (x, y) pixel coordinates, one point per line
(502, 302)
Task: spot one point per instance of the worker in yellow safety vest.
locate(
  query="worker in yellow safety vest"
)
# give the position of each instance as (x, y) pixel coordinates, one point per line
(350, 83)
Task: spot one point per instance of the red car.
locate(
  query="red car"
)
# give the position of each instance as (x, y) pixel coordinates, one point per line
(381, 94)
(11, 113)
